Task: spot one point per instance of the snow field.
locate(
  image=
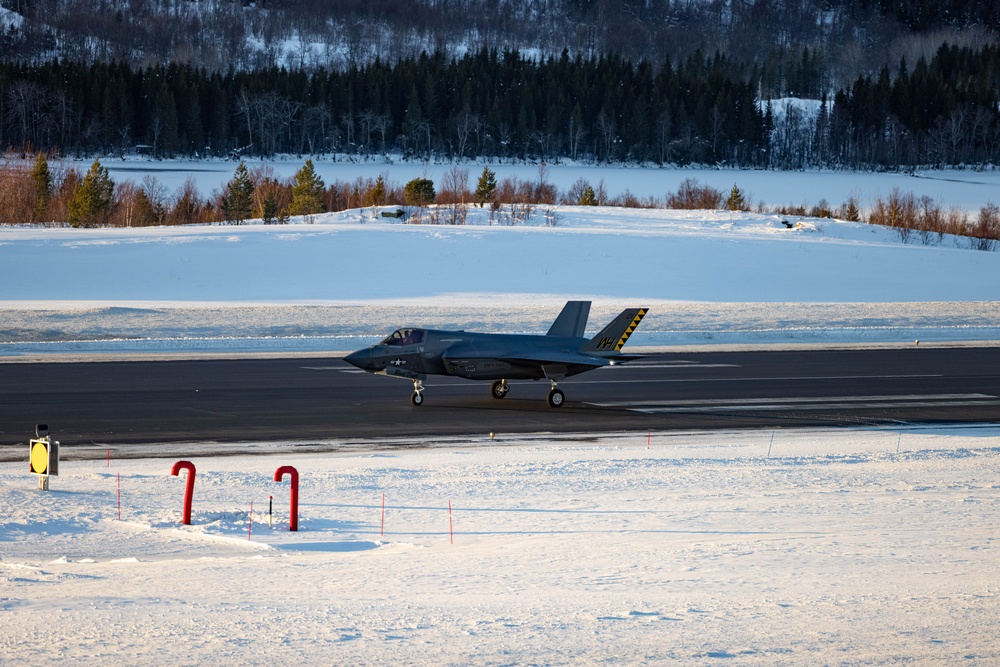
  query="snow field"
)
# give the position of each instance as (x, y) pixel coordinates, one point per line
(966, 189)
(344, 280)
(696, 547)
(854, 546)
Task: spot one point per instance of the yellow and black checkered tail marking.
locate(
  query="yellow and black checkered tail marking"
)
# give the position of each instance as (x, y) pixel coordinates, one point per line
(630, 328)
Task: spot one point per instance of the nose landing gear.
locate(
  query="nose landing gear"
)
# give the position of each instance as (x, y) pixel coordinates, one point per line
(417, 398)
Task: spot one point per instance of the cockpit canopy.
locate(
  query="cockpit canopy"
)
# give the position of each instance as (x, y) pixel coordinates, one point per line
(403, 337)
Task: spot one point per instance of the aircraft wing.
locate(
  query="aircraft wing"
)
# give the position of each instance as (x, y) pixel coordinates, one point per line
(564, 358)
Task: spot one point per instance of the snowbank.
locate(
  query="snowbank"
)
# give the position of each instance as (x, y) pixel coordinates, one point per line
(796, 547)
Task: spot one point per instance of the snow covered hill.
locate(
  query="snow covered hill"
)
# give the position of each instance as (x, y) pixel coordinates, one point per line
(337, 281)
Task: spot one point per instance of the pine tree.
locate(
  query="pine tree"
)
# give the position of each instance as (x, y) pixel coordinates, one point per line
(237, 200)
(307, 193)
(376, 197)
(419, 192)
(164, 123)
(145, 212)
(588, 197)
(41, 178)
(736, 201)
(269, 209)
(850, 210)
(486, 187)
(91, 202)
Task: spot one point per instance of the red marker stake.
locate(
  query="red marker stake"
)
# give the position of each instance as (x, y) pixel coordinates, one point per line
(109, 458)
(188, 487)
(451, 526)
(293, 519)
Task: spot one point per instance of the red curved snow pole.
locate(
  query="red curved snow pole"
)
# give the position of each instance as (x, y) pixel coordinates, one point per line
(293, 510)
(188, 488)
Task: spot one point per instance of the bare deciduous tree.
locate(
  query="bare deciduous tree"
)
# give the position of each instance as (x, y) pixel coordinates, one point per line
(454, 195)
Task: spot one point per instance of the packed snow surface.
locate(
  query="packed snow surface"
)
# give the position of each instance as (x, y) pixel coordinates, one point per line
(860, 547)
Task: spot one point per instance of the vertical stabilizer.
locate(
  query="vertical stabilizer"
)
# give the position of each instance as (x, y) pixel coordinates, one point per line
(613, 337)
(572, 321)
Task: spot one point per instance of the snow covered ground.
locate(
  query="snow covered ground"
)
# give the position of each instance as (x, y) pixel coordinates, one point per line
(861, 546)
(340, 281)
(965, 189)
(855, 547)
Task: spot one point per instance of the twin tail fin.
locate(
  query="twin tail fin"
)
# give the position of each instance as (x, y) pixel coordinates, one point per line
(612, 337)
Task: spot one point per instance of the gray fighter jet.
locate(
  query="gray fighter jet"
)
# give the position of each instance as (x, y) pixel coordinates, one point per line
(413, 354)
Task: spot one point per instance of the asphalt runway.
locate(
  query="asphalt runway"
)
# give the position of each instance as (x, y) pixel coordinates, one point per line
(318, 399)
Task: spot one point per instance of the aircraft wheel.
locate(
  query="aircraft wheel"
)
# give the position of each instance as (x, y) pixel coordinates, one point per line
(556, 398)
(499, 389)
(417, 398)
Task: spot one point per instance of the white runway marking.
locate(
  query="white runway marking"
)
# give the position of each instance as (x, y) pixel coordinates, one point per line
(760, 379)
(332, 368)
(673, 365)
(808, 403)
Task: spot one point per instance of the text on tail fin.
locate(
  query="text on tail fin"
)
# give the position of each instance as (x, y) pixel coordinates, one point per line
(613, 337)
(631, 327)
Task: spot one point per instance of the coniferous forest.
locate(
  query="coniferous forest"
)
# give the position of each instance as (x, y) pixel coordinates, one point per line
(702, 109)
(894, 85)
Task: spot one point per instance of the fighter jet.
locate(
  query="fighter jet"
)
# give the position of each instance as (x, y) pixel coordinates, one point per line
(413, 354)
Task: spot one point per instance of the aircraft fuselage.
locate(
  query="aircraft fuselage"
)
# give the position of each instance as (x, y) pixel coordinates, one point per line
(414, 353)
(474, 356)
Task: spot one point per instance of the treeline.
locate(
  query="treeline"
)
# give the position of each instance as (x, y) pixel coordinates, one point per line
(940, 112)
(32, 193)
(501, 106)
(485, 104)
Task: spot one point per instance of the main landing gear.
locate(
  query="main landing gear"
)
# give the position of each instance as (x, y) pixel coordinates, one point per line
(418, 397)
(556, 397)
(499, 389)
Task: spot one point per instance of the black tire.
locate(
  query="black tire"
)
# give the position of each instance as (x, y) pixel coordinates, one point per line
(499, 389)
(417, 398)
(556, 398)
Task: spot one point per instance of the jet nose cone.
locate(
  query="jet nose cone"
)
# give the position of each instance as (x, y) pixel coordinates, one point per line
(362, 359)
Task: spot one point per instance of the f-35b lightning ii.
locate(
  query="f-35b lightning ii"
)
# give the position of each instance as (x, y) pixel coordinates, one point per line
(413, 354)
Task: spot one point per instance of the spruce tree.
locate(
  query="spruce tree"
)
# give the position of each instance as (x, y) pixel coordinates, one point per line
(90, 204)
(307, 193)
(486, 186)
(41, 178)
(850, 210)
(419, 192)
(376, 197)
(736, 200)
(164, 122)
(269, 209)
(237, 200)
(588, 197)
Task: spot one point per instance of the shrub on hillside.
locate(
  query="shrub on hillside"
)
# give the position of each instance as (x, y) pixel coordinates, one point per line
(691, 195)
